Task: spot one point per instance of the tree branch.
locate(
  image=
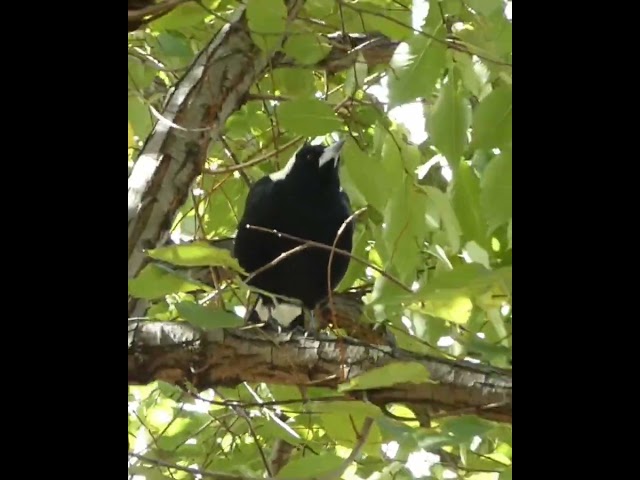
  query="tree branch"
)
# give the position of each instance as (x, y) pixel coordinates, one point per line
(375, 48)
(178, 353)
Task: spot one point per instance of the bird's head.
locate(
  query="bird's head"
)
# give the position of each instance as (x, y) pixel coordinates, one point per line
(316, 164)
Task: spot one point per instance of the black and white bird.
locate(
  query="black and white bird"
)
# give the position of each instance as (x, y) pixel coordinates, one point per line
(304, 200)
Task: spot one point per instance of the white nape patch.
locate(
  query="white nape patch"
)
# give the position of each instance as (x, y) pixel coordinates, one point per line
(331, 153)
(283, 313)
(282, 173)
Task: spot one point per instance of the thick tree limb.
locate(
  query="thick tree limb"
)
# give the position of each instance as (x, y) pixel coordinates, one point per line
(174, 153)
(371, 48)
(178, 352)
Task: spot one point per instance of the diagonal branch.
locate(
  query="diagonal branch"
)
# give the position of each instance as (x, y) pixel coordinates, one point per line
(179, 353)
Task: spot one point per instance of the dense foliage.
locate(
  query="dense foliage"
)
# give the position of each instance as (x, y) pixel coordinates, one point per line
(432, 181)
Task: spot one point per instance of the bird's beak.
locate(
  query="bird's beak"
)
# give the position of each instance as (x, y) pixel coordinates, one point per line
(331, 153)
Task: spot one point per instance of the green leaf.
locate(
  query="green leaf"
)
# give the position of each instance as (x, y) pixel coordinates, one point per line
(182, 427)
(496, 193)
(477, 254)
(140, 76)
(404, 230)
(237, 125)
(308, 117)
(392, 162)
(431, 441)
(196, 254)
(343, 420)
(366, 175)
(485, 7)
(320, 465)
(492, 120)
(447, 215)
(394, 22)
(221, 218)
(474, 74)
(452, 306)
(449, 121)
(306, 48)
(391, 374)
(356, 77)
(356, 269)
(464, 428)
(294, 82)
(320, 8)
(155, 282)
(267, 21)
(470, 277)
(132, 140)
(415, 75)
(205, 317)
(174, 45)
(506, 474)
(466, 203)
(140, 117)
(509, 233)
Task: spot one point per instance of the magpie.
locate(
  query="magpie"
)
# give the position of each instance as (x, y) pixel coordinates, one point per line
(304, 200)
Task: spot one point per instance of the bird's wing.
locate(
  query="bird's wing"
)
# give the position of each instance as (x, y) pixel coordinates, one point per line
(255, 198)
(345, 199)
(257, 210)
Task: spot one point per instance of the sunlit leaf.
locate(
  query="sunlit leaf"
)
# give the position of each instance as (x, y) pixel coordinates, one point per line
(306, 48)
(492, 119)
(466, 202)
(392, 374)
(308, 117)
(196, 254)
(496, 194)
(415, 72)
(154, 282)
(449, 121)
(206, 317)
(295, 82)
(343, 420)
(131, 140)
(485, 7)
(324, 463)
(447, 214)
(267, 22)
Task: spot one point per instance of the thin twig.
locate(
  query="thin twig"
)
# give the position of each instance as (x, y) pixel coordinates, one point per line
(337, 250)
(459, 46)
(193, 471)
(243, 174)
(276, 260)
(355, 453)
(333, 249)
(254, 161)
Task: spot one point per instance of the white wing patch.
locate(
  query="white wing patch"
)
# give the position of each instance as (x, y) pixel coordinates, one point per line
(283, 313)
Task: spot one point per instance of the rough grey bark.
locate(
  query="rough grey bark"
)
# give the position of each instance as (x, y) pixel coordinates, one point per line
(178, 353)
(175, 152)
